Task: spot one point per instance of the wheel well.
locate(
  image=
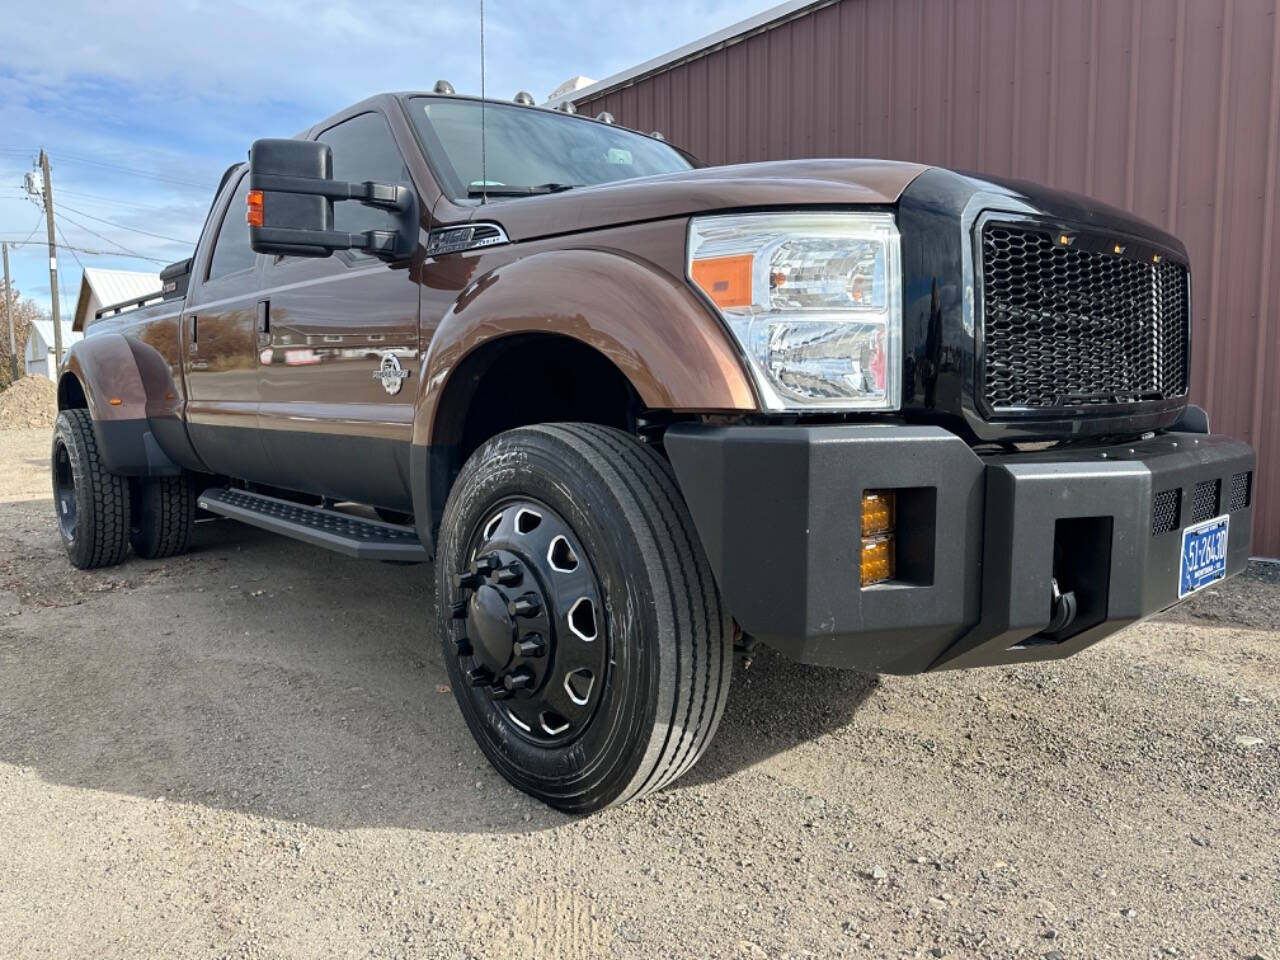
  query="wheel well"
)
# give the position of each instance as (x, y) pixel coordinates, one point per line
(526, 379)
(521, 380)
(71, 394)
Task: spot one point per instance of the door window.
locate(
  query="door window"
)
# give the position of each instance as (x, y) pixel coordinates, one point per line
(363, 149)
(231, 250)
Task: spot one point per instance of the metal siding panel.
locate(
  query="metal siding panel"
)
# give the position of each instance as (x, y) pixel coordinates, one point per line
(1169, 107)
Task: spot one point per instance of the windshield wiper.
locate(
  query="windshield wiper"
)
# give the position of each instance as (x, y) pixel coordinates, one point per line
(503, 190)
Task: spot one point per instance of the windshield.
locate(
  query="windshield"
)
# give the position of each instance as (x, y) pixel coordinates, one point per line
(531, 147)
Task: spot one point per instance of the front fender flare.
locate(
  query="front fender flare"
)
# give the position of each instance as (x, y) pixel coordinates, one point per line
(108, 374)
(646, 321)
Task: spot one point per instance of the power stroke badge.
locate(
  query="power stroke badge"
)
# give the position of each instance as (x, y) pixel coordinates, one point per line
(391, 373)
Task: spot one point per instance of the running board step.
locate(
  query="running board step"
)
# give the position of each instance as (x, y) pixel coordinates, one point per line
(332, 529)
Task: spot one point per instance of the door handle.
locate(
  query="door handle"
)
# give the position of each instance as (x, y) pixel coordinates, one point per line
(264, 323)
(195, 338)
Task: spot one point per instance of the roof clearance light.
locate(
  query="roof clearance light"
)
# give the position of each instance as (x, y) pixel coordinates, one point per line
(524, 98)
(443, 87)
(566, 106)
(604, 116)
(253, 208)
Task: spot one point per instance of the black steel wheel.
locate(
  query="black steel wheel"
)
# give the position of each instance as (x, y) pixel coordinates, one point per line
(583, 632)
(529, 602)
(92, 503)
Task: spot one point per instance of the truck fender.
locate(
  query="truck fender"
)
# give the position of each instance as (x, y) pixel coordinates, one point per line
(106, 371)
(650, 324)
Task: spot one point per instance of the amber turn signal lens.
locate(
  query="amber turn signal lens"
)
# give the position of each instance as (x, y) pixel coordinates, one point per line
(726, 280)
(253, 211)
(877, 512)
(877, 559)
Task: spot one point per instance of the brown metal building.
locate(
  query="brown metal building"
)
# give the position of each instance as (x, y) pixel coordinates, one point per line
(1169, 108)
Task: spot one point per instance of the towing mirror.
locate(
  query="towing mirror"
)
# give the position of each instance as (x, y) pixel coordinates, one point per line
(291, 198)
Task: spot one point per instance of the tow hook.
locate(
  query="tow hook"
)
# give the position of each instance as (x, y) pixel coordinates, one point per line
(1062, 608)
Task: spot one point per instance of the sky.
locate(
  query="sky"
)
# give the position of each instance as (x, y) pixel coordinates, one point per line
(141, 105)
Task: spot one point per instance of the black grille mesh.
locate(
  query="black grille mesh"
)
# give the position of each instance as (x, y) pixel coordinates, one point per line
(1204, 500)
(1240, 489)
(1064, 326)
(1165, 508)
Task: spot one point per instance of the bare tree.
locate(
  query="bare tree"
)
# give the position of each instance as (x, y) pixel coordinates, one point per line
(24, 311)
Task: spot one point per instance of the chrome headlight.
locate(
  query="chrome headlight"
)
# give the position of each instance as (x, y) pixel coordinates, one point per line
(814, 301)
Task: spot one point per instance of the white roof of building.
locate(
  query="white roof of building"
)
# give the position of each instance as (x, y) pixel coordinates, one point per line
(45, 330)
(730, 34)
(108, 287)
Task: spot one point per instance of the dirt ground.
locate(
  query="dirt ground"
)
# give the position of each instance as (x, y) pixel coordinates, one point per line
(250, 751)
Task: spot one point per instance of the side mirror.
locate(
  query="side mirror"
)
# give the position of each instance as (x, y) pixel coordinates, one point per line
(291, 198)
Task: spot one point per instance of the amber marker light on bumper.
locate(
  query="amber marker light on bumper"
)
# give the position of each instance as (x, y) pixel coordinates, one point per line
(878, 508)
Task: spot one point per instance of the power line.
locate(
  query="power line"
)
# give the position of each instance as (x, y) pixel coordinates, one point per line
(121, 226)
(144, 174)
(90, 230)
(67, 246)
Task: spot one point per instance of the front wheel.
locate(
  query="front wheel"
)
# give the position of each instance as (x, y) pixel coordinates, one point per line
(92, 503)
(584, 635)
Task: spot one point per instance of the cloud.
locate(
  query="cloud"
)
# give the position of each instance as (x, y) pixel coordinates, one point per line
(178, 89)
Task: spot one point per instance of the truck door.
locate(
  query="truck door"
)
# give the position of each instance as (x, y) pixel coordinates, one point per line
(338, 352)
(220, 344)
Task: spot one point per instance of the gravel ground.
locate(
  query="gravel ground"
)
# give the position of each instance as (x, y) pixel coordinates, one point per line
(250, 751)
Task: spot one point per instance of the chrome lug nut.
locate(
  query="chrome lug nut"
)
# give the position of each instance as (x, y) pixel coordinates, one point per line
(462, 647)
(479, 676)
(460, 610)
(487, 564)
(511, 574)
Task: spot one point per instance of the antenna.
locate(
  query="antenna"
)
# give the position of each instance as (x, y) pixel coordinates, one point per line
(484, 171)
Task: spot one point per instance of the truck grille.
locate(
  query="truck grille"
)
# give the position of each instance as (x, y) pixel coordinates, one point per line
(1066, 326)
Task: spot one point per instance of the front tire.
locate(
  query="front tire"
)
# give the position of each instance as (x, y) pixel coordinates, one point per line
(584, 636)
(92, 503)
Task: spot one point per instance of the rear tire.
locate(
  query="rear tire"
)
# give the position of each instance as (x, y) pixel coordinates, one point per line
(165, 517)
(92, 504)
(658, 659)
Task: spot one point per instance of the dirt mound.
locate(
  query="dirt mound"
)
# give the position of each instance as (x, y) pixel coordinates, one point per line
(30, 402)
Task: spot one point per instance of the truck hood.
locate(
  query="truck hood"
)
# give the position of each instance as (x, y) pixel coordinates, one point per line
(787, 183)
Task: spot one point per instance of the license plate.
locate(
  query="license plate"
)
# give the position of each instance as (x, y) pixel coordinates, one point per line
(1204, 555)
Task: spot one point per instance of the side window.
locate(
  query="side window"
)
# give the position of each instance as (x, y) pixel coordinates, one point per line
(231, 250)
(363, 149)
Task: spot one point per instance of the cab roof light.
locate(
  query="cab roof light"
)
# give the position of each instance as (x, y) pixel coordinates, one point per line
(443, 87)
(524, 98)
(604, 116)
(566, 106)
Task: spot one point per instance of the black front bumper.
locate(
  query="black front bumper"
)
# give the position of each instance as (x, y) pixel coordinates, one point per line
(979, 538)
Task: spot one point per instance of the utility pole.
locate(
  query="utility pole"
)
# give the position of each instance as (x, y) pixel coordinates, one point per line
(8, 313)
(53, 257)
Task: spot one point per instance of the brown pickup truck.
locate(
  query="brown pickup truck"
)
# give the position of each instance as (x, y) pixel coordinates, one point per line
(640, 411)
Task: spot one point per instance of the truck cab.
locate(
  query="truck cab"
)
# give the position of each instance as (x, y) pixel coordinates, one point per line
(636, 411)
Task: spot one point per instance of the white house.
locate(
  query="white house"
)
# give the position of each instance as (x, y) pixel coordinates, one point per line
(101, 288)
(41, 360)
(98, 288)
